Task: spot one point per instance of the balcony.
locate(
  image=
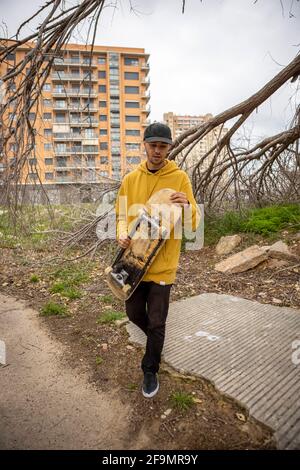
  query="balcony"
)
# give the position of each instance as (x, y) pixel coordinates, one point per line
(72, 92)
(146, 96)
(146, 82)
(63, 152)
(72, 137)
(80, 61)
(146, 123)
(64, 179)
(115, 122)
(76, 123)
(76, 151)
(114, 92)
(146, 109)
(114, 107)
(90, 123)
(73, 77)
(81, 109)
(145, 67)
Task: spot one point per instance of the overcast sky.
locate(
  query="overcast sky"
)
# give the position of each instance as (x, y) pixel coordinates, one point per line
(206, 60)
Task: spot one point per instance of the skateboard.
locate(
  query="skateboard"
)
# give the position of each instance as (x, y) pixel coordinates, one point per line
(150, 231)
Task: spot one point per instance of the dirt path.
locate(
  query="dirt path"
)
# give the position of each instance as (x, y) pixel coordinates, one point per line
(43, 403)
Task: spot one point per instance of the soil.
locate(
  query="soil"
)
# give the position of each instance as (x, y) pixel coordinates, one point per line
(113, 364)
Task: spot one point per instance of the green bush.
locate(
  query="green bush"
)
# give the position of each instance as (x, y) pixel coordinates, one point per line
(264, 221)
(181, 400)
(111, 316)
(65, 290)
(217, 227)
(51, 308)
(272, 219)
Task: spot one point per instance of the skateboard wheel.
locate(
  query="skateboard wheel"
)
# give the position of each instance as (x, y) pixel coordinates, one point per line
(108, 270)
(126, 288)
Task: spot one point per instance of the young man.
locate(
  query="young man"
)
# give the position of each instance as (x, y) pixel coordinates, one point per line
(149, 304)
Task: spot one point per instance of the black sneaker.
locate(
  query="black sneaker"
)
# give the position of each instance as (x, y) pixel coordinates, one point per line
(150, 385)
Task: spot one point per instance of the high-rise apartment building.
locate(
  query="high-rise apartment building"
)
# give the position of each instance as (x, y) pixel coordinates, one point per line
(181, 123)
(92, 114)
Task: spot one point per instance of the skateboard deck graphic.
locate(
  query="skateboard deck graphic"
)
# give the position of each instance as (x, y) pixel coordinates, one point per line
(150, 231)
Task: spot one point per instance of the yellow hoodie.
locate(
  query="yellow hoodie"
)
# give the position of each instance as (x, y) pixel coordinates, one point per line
(138, 186)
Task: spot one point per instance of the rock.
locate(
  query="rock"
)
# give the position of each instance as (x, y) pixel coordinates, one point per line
(166, 413)
(297, 236)
(131, 348)
(197, 400)
(242, 261)
(122, 322)
(104, 346)
(227, 244)
(272, 263)
(280, 250)
(265, 247)
(240, 417)
(277, 301)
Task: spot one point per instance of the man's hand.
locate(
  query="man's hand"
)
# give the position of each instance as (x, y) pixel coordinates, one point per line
(124, 241)
(179, 198)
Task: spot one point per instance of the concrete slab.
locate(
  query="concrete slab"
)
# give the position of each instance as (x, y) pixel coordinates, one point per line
(247, 349)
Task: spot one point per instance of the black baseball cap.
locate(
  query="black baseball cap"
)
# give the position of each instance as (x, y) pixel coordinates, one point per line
(158, 132)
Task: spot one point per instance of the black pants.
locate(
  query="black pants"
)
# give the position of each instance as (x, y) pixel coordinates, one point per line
(148, 309)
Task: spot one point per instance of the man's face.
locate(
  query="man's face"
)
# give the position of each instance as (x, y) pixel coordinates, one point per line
(156, 154)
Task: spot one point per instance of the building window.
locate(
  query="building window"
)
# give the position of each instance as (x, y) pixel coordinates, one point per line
(32, 161)
(132, 146)
(132, 90)
(133, 159)
(31, 116)
(49, 176)
(90, 161)
(132, 104)
(103, 145)
(115, 136)
(59, 89)
(131, 61)
(102, 104)
(47, 87)
(47, 132)
(90, 133)
(101, 74)
(47, 103)
(11, 56)
(136, 132)
(60, 104)
(131, 75)
(103, 160)
(47, 116)
(132, 118)
(11, 86)
(103, 131)
(102, 60)
(75, 58)
(102, 88)
(47, 146)
(48, 161)
(103, 117)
